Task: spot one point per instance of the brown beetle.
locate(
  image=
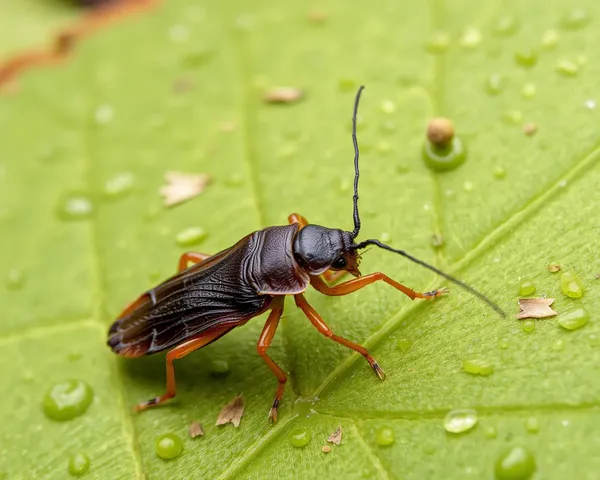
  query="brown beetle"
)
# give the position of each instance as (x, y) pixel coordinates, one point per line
(218, 293)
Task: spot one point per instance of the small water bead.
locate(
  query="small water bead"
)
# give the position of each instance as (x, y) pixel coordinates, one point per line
(168, 446)
(550, 39)
(526, 287)
(532, 425)
(471, 38)
(15, 279)
(581, 60)
(575, 19)
(460, 421)
(444, 158)
(558, 345)
(574, 320)
(300, 437)
(437, 43)
(515, 463)
(79, 464)
(526, 58)
(505, 26)
(496, 83)
(387, 106)
(528, 90)
(347, 84)
(477, 365)
(191, 236)
(404, 344)
(67, 400)
(104, 114)
(503, 343)
(75, 206)
(384, 147)
(590, 104)
(468, 186)
(388, 126)
(385, 237)
(512, 117)
(528, 326)
(567, 68)
(385, 436)
(490, 431)
(219, 367)
(119, 184)
(594, 340)
(571, 285)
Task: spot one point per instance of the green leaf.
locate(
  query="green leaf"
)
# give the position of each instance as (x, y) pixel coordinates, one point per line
(152, 93)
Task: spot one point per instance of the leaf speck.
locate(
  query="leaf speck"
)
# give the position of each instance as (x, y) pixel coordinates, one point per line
(196, 430)
(536, 308)
(232, 412)
(326, 449)
(530, 129)
(283, 95)
(182, 187)
(336, 437)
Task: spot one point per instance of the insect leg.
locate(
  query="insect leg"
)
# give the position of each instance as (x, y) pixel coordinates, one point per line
(193, 257)
(297, 218)
(360, 282)
(263, 344)
(332, 275)
(179, 352)
(322, 327)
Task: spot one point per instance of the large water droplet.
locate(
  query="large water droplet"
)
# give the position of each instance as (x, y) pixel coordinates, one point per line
(575, 19)
(496, 83)
(459, 421)
(571, 285)
(168, 446)
(79, 464)
(300, 437)
(75, 206)
(67, 400)
(444, 158)
(384, 436)
(526, 287)
(477, 365)
(191, 236)
(574, 320)
(516, 463)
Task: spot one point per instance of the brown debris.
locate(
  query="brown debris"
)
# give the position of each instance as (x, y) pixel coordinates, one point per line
(317, 16)
(283, 95)
(232, 412)
(554, 267)
(196, 430)
(335, 437)
(535, 308)
(326, 449)
(182, 187)
(530, 129)
(440, 131)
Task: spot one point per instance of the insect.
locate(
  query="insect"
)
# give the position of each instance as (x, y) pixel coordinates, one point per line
(218, 293)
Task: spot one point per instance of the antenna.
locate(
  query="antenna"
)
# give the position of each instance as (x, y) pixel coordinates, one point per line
(356, 173)
(468, 288)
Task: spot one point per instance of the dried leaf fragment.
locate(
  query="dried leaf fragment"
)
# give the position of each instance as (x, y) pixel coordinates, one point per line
(326, 449)
(181, 187)
(283, 95)
(535, 308)
(196, 430)
(336, 437)
(530, 129)
(232, 412)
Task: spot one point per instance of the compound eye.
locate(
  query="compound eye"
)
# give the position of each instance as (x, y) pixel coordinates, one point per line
(339, 262)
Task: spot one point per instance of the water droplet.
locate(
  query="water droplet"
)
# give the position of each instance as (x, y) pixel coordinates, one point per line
(567, 68)
(104, 114)
(67, 400)
(384, 436)
(528, 326)
(385, 237)
(550, 39)
(505, 26)
(515, 463)
(384, 147)
(554, 267)
(532, 425)
(300, 437)
(191, 236)
(444, 158)
(460, 421)
(594, 340)
(75, 206)
(79, 464)
(387, 106)
(120, 184)
(558, 345)
(471, 38)
(234, 180)
(468, 186)
(528, 90)
(571, 285)
(438, 42)
(15, 280)
(219, 367)
(347, 84)
(574, 320)
(590, 104)
(490, 431)
(496, 83)
(526, 58)
(575, 19)
(179, 34)
(478, 366)
(526, 287)
(499, 173)
(388, 126)
(245, 22)
(512, 117)
(503, 343)
(168, 446)
(404, 344)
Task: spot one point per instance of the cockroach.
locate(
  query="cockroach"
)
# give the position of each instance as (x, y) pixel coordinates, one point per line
(217, 293)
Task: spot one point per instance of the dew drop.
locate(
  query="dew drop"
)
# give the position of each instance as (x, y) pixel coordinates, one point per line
(438, 43)
(460, 421)
(388, 126)
(446, 158)
(385, 237)
(478, 366)
(505, 26)
(345, 185)
(526, 287)
(15, 279)
(532, 425)
(471, 38)
(575, 19)
(528, 90)
(490, 431)
(503, 343)
(571, 285)
(590, 104)
(528, 326)
(75, 206)
(574, 320)
(387, 106)
(512, 117)
(550, 39)
(79, 464)
(593, 340)
(234, 180)
(168, 446)
(496, 83)
(119, 185)
(468, 186)
(67, 400)
(245, 22)
(219, 367)
(499, 172)
(384, 436)
(191, 236)
(347, 84)
(179, 34)
(558, 345)
(404, 344)
(384, 147)
(515, 463)
(567, 68)
(300, 437)
(526, 58)
(104, 114)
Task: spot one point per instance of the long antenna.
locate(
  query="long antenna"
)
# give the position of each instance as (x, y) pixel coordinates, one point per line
(356, 173)
(468, 288)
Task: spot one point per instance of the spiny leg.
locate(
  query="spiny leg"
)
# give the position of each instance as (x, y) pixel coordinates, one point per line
(179, 352)
(360, 282)
(297, 218)
(264, 342)
(323, 328)
(193, 257)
